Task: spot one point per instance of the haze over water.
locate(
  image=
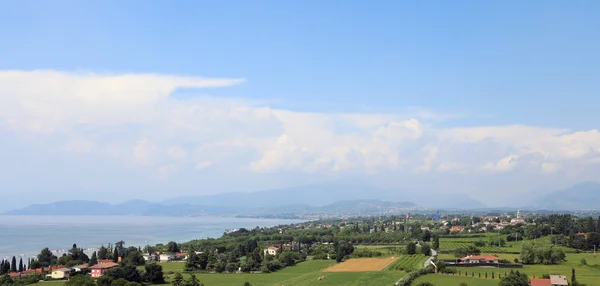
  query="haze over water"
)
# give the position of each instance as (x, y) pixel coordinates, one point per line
(29, 234)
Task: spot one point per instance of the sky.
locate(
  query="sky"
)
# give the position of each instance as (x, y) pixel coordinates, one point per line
(116, 100)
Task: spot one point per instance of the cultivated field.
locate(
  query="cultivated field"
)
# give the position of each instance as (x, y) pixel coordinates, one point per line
(408, 263)
(361, 265)
(303, 274)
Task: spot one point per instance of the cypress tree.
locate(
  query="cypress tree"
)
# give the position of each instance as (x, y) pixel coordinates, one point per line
(115, 255)
(13, 265)
(2, 268)
(21, 265)
(94, 259)
(573, 278)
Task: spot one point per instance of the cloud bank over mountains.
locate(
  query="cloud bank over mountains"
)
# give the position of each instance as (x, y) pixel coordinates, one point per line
(134, 120)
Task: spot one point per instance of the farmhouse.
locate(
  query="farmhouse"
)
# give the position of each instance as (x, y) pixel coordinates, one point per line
(60, 273)
(457, 228)
(99, 269)
(558, 280)
(271, 250)
(479, 259)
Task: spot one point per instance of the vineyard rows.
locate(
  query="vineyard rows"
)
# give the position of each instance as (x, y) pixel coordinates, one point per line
(408, 262)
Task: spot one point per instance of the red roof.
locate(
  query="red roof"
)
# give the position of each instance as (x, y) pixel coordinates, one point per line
(105, 261)
(105, 265)
(540, 282)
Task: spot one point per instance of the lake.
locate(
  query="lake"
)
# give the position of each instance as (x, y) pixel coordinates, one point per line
(27, 235)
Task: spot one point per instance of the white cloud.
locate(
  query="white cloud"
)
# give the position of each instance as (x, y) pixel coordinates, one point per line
(134, 118)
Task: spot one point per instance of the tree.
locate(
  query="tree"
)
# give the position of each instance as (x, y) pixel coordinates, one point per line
(94, 259)
(426, 249)
(104, 280)
(172, 247)
(35, 264)
(13, 265)
(590, 227)
(426, 236)
(46, 257)
(178, 279)
(102, 252)
(21, 268)
(514, 279)
(135, 258)
(119, 282)
(193, 281)
(411, 248)
(436, 241)
(154, 274)
(81, 280)
(115, 257)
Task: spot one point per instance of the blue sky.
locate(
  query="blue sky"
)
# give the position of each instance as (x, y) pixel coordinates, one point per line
(506, 67)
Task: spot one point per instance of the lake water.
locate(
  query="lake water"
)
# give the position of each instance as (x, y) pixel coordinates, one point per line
(27, 235)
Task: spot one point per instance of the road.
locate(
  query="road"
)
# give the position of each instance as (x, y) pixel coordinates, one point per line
(433, 253)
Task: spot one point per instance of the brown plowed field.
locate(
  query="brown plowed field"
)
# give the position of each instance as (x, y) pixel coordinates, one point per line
(361, 265)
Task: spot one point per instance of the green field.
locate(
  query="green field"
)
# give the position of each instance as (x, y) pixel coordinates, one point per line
(303, 274)
(585, 274)
(408, 263)
(453, 280)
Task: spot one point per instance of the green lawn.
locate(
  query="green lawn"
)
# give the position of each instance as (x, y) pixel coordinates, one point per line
(585, 274)
(453, 280)
(303, 274)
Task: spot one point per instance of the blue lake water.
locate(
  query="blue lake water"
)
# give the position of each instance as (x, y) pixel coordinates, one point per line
(27, 235)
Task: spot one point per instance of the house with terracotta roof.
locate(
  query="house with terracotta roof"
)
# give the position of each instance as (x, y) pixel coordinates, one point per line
(558, 280)
(101, 268)
(457, 228)
(102, 261)
(60, 273)
(540, 282)
(271, 250)
(479, 259)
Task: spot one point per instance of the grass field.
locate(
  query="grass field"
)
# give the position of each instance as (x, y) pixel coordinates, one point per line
(303, 274)
(361, 265)
(585, 274)
(450, 280)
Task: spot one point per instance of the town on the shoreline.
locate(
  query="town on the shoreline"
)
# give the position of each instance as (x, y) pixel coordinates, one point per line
(449, 249)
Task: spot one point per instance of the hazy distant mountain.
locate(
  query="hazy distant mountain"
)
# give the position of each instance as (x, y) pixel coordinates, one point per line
(329, 193)
(583, 196)
(139, 207)
(312, 195)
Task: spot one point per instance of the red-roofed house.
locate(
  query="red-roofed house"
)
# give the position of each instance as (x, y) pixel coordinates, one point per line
(479, 259)
(271, 250)
(102, 261)
(539, 282)
(99, 269)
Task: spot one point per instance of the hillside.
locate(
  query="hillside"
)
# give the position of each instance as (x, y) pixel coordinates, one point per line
(583, 196)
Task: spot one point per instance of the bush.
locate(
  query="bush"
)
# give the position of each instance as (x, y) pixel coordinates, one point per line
(411, 276)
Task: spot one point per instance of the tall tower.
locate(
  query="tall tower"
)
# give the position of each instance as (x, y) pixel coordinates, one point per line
(518, 214)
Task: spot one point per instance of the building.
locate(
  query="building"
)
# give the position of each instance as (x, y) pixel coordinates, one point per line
(102, 261)
(558, 280)
(479, 259)
(166, 257)
(150, 257)
(60, 273)
(539, 282)
(99, 269)
(457, 228)
(271, 250)
(79, 268)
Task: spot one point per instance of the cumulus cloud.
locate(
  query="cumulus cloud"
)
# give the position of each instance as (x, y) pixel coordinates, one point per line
(135, 118)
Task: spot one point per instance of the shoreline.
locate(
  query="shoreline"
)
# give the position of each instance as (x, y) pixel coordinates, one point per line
(24, 236)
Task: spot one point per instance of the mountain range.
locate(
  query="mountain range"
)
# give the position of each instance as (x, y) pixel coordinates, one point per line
(354, 198)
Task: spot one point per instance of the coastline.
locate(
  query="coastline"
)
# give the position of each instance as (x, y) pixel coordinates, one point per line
(24, 236)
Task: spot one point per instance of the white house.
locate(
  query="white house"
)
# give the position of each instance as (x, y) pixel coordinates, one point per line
(271, 250)
(60, 273)
(79, 268)
(558, 280)
(479, 259)
(165, 257)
